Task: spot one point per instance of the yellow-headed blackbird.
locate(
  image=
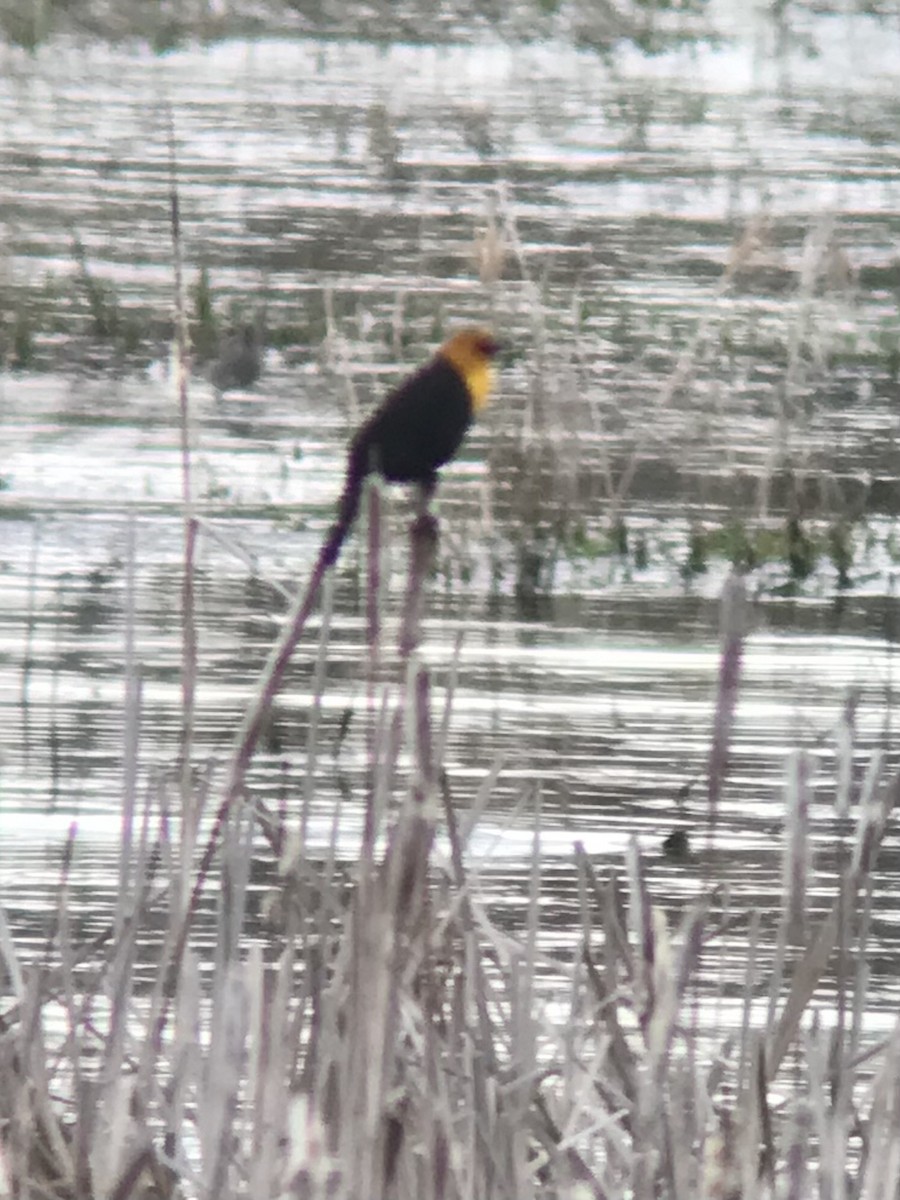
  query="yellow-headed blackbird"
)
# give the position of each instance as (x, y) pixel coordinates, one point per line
(419, 425)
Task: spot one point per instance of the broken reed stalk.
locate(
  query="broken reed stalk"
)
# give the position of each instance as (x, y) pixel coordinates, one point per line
(315, 710)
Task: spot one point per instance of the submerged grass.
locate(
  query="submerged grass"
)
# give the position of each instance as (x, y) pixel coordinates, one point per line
(164, 27)
(795, 509)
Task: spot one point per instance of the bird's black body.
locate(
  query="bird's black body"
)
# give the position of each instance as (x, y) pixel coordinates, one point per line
(419, 427)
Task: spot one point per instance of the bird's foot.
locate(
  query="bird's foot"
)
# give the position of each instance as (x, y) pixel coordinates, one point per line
(424, 534)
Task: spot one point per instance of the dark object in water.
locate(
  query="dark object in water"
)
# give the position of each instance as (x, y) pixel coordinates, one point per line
(239, 361)
(677, 845)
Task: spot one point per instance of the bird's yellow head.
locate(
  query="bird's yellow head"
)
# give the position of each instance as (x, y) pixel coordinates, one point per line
(471, 352)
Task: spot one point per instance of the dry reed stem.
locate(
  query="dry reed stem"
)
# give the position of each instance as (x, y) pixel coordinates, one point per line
(182, 367)
(30, 625)
(131, 730)
(815, 248)
(337, 353)
(315, 710)
(733, 623)
(378, 714)
(797, 857)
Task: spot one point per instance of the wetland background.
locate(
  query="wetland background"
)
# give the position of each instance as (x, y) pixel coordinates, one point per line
(683, 221)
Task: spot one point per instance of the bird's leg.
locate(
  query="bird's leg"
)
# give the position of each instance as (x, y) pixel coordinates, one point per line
(424, 528)
(424, 531)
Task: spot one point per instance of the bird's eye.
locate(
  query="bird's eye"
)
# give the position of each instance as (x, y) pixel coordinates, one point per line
(489, 347)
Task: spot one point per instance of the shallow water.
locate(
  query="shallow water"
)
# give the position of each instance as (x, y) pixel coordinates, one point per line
(339, 186)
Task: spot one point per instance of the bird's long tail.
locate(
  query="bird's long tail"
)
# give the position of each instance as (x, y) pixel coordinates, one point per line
(348, 507)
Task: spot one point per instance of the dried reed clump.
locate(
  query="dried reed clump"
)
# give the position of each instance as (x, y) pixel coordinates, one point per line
(576, 453)
(389, 1039)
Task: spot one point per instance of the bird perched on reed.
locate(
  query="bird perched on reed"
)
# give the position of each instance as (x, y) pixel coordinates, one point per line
(419, 426)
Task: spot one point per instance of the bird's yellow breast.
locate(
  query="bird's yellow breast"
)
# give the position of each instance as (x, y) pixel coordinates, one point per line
(480, 381)
(466, 353)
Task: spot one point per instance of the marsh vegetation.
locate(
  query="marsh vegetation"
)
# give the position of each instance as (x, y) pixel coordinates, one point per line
(589, 888)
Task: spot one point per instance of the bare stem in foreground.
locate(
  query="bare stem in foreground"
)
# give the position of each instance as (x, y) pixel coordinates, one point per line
(188, 616)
